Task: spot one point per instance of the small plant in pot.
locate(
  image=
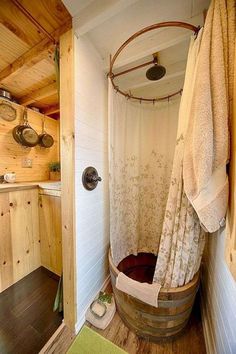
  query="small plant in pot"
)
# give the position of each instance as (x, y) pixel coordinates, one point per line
(55, 171)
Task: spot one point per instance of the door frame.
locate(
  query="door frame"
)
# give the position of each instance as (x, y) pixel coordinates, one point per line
(67, 157)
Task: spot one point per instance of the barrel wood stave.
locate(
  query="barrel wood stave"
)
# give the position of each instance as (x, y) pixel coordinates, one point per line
(166, 321)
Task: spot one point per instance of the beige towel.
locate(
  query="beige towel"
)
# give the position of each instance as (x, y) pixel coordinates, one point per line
(145, 292)
(206, 150)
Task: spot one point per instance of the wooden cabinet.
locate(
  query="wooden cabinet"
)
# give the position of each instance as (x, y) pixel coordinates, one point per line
(50, 232)
(19, 235)
(30, 234)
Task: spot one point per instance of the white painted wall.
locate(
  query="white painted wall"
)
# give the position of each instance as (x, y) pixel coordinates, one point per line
(218, 299)
(92, 207)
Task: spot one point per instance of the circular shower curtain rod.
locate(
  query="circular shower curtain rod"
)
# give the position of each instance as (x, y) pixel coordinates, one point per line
(130, 39)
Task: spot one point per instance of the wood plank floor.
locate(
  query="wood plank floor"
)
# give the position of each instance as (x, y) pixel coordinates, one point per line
(190, 342)
(27, 320)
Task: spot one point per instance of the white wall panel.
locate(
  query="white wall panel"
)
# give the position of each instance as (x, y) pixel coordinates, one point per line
(218, 299)
(92, 207)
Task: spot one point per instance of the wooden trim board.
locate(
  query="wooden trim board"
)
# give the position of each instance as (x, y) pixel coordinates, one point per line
(67, 176)
(59, 342)
(230, 249)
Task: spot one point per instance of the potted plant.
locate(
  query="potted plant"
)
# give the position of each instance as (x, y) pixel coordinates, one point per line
(55, 171)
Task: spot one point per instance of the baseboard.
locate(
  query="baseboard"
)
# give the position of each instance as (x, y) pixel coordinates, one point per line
(81, 319)
(59, 342)
(105, 283)
(207, 329)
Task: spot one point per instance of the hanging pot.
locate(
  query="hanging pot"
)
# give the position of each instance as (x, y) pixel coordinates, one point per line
(24, 134)
(45, 140)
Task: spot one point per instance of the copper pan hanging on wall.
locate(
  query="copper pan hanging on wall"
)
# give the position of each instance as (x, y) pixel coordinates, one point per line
(24, 134)
(45, 140)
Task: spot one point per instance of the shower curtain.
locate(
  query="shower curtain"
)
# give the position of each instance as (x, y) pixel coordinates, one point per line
(199, 185)
(182, 239)
(142, 143)
(149, 211)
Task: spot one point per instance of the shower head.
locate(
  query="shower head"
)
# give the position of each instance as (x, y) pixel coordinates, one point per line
(157, 71)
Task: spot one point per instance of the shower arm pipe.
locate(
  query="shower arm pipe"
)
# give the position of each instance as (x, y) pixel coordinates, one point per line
(130, 39)
(132, 69)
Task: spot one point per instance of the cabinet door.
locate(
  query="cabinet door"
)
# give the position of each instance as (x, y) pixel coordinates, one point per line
(6, 263)
(24, 223)
(50, 232)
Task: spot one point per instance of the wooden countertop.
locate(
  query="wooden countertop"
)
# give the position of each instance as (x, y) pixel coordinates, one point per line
(43, 185)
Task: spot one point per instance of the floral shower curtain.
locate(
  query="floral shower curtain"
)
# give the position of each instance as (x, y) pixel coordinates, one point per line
(182, 239)
(150, 211)
(142, 144)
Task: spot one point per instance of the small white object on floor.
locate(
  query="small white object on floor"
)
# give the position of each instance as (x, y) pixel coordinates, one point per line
(145, 292)
(98, 308)
(104, 321)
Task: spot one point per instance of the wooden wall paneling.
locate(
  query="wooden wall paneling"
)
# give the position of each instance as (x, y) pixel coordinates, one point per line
(67, 176)
(6, 264)
(50, 232)
(11, 153)
(24, 221)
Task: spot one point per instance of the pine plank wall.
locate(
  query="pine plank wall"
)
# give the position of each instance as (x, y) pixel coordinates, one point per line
(12, 154)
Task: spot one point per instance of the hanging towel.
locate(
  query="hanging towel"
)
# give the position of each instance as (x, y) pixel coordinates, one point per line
(145, 292)
(206, 147)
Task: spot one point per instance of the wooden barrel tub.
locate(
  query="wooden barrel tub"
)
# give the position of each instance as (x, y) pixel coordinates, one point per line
(174, 305)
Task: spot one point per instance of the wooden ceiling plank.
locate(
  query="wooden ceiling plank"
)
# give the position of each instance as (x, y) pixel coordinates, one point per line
(11, 47)
(17, 23)
(28, 59)
(32, 19)
(39, 94)
(50, 14)
(35, 54)
(52, 109)
(40, 75)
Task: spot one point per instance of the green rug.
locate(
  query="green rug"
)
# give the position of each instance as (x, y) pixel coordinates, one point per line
(90, 342)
